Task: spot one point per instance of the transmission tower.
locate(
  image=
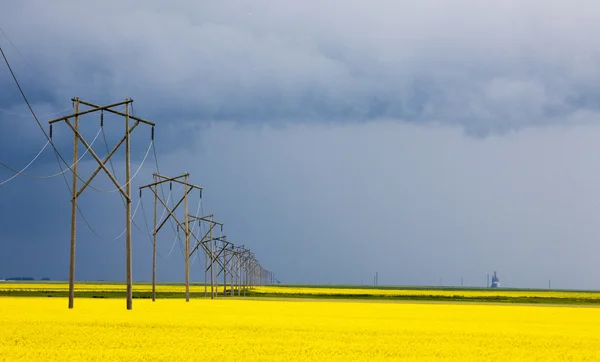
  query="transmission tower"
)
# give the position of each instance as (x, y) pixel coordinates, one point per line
(207, 238)
(188, 188)
(101, 166)
(224, 250)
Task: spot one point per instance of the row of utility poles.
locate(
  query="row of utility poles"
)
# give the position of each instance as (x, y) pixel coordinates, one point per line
(236, 265)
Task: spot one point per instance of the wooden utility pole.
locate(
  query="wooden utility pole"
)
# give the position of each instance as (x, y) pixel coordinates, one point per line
(101, 167)
(74, 209)
(248, 256)
(128, 208)
(238, 270)
(239, 255)
(233, 271)
(188, 188)
(242, 266)
(244, 272)
(224, 248)
(205, 273)
(155, 179)
(212, 255)
(187, 243)
(208, 249)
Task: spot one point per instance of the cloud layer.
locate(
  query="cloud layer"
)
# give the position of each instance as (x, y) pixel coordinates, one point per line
(330, 136)
(486, 67)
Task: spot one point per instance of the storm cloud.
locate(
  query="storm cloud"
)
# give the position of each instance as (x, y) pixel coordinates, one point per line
(427, 140)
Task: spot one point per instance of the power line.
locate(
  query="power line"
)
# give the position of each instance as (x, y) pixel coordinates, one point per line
(21, 173)
(101, 166)
(112, 167)
(171, 250)
(17, 173)
(27, 115)
(27, 102)
(15, 47)
(136, 172)
(162, 190)
(58, 155)
(97, 234)
(250, 264)
(160, 218)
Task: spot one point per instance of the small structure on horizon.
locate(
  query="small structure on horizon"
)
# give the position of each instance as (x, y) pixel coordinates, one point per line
(495, 281)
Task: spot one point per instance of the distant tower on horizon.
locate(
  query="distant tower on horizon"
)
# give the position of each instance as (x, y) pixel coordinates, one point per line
(495, 281)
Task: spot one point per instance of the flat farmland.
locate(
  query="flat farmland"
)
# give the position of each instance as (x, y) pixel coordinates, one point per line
(143, 290)
(443, 294)
(39, 329)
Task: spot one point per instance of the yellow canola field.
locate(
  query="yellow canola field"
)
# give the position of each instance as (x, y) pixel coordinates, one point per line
(424, 292)
(316, 291)
(100, 287)
(38, 329)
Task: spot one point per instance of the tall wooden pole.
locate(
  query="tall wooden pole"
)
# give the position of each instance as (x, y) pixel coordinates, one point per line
(245, 268)
(154, 241)
(74, 210)
(181, 225)
(231, 261)
(212, 280)
(239, 262)
(187, 242)
(125, 190)
(237, 273)
(128, 206)
(224, 271)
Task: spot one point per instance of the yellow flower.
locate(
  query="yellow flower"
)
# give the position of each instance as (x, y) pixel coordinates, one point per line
(226, 329)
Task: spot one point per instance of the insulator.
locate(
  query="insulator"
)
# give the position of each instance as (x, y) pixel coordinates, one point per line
(140, 193)
(200, 194)
(102, 118)
(50, 131)
(152, 136)
(170, 186)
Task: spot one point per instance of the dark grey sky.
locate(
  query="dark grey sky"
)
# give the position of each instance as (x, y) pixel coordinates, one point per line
(425, 140)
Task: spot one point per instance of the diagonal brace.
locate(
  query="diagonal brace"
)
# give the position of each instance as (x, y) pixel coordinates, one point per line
(170, 211)
(91, 151)
(106, 160)
(201, 241)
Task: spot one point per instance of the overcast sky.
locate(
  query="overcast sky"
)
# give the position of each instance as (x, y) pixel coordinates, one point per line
(424, 140)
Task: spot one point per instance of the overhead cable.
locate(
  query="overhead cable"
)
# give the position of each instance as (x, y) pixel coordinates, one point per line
(22, 173)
